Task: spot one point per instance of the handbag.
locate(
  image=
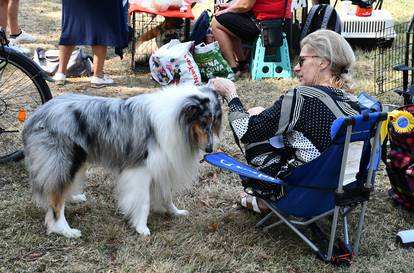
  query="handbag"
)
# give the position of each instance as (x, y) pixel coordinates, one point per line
(79, 64)
(272, 30)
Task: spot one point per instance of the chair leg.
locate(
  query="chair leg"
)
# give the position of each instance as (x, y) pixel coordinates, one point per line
(301, 223)
(292, 227)
(266, 228)
(346, 230)
(261, 222)
(359, 229)
(333, 232)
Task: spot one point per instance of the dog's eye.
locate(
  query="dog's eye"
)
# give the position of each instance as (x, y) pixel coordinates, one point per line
(206, 123)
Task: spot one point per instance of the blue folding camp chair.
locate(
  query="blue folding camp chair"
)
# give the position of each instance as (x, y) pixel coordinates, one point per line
(316, 189)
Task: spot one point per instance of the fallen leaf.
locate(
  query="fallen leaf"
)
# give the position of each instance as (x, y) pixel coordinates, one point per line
(215, 179)
(35, 255)
(213, 227)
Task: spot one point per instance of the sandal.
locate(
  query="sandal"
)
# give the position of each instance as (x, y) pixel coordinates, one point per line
(252, 203)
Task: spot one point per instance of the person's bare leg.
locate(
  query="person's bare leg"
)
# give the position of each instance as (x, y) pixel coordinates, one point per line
(99, 54)
(65, 52)
(238, 49)
(12, 17)
(226, 40)
(3, 13)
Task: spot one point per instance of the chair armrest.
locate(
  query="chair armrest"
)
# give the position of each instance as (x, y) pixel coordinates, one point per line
(224, 161)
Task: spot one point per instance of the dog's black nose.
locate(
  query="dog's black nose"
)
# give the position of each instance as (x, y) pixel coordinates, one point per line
(209, 149)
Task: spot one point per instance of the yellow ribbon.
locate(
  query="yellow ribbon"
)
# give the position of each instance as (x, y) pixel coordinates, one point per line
(402, 121)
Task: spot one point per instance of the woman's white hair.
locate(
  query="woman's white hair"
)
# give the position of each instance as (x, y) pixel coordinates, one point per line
(334, 48)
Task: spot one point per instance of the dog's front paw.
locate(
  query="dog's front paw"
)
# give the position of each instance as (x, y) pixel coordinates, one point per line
(181, 212)
(67, 232)
(77, 198)
(72, 233)
(144, 231)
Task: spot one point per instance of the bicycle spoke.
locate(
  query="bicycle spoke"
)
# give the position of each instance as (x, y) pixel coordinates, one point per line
(9, 124)
(21, 87)
(18, 92)
(7, 80)
(23, 100)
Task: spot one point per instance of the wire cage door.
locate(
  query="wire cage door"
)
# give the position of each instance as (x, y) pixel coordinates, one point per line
(151, 32)
(395, 48)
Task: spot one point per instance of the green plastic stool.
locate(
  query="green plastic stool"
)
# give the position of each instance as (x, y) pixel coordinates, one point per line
(271, 65)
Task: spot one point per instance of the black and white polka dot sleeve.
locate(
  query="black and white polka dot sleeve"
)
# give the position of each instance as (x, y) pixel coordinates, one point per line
(249, 129)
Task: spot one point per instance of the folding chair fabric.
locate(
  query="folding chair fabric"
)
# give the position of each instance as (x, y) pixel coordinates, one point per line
(324, 171)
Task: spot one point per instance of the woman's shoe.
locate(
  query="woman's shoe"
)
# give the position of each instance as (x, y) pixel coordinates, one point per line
(59, 78)
(253, 203)
(100, 82)
(23, 37)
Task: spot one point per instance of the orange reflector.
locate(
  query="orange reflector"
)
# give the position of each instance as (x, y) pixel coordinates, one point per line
(21, 116)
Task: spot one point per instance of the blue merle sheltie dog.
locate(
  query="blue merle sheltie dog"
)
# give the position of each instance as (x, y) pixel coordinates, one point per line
(152, 142)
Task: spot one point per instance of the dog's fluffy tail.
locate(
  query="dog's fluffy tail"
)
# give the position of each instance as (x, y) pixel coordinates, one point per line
(52, 164)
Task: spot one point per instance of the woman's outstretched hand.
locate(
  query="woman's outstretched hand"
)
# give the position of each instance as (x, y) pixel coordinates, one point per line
(224, 87)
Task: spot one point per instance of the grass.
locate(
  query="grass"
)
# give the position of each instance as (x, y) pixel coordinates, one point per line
(219, 236)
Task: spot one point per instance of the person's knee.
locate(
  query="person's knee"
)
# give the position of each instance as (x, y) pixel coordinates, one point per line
(214, 24)
(217, 28)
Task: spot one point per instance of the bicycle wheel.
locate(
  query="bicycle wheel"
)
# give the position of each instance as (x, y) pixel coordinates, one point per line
(22, 90)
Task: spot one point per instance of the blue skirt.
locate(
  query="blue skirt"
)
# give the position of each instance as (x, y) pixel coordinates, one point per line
(94, 22)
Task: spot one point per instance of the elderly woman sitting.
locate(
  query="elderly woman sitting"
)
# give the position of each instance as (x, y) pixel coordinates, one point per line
(303, 116)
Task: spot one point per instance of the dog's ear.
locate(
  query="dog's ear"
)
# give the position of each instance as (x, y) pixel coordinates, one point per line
(195, 107)
(192, 111)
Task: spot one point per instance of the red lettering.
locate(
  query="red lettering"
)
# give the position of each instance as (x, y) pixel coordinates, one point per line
(191, 68)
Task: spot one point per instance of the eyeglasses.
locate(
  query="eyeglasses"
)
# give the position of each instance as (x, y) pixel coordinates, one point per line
(303, 58)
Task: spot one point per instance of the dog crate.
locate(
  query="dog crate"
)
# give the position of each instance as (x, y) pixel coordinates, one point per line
(363, 31)
(150, 32)
(395, 49)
